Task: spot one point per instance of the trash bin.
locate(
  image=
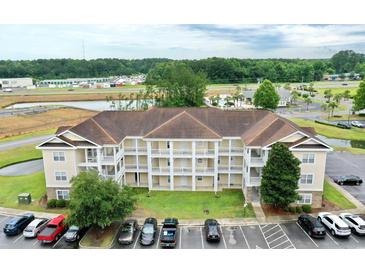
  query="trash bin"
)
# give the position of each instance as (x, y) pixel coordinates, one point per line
(24, 198)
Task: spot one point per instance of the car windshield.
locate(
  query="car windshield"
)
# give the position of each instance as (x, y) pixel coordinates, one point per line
(148, 228)
(73, 229)
(127, 228)
(213, 229)
(29, 228)
(317, 224)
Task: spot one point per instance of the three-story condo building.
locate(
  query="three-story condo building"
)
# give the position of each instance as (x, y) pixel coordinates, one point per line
(196, 149)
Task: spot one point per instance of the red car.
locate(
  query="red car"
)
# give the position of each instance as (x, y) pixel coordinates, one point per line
(53, 230)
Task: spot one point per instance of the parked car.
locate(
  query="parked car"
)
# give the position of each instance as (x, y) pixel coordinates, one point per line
(355, 222)
(212, 231)
(335, 224)
(357, 124)
(17, 224)
(53, 230)
(127, 232)
(75, 233)
(349, 179)
(312, 226)
(344, 125)
(7, 90)
(149, 231)
(169, 233)
(36, 226)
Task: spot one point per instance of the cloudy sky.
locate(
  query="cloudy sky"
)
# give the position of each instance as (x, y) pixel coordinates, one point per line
(178, 41)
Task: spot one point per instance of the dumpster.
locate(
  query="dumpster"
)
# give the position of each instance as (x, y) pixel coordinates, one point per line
(24, 198)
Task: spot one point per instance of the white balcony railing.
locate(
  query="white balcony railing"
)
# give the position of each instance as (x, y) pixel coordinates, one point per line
(204, 152)
(158, 152)
(257, 161)
(106, 158)
(204, 170)
(161, 169)
(92, 160)
(182, 152)
(182, 169)
(255, 181)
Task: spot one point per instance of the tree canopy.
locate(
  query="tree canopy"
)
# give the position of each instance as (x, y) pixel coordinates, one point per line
(97, 201)
(266, 96)
(280, 177)
(347, 60)
(177, 85)
(359, 98)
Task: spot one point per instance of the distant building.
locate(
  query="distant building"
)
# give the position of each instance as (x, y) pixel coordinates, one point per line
(71, 82)
(15, 82)
(343, 76)
(285, 96)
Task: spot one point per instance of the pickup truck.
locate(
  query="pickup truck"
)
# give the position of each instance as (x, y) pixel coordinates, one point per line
(169, 233)
(53, 230)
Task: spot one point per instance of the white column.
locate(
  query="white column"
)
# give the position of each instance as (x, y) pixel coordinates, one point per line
(98, 158)
(137, 161)
(171, 159)
(229, 162)
(215, 179)
(193, 166)
(248, 167)
(149, 165)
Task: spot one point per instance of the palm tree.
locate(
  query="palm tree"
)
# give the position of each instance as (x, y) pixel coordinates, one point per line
(328, 95)
(337, 97)
(332, 106)
(346, 94)
(308, 101)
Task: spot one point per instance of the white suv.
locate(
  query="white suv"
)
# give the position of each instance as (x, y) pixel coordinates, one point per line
(335, 224)
(355, 222)
(34, 228)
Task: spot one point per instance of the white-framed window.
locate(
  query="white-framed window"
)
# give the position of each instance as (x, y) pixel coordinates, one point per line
(58, 156)
(308, 158)
(306, 179)
(305, 199)
(199, 178)
(200, 160)
(61, 176)
(62, 194)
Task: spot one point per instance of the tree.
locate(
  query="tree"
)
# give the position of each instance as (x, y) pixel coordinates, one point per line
(307, 101)
(359, 98)
(346, 94)
(98, 201)
(332, 106)
(337, 97)
(295, 96)
(280, 177)
(266, 96)
(346, 60)
(178, 85)
(328, 95)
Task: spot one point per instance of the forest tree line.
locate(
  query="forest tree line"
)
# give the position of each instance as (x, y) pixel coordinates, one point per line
(217, 70)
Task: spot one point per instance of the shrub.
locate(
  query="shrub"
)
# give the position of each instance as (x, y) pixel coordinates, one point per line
(307, 208)
(298, 209)
(52, 203)
(61, 203)
(292, 209)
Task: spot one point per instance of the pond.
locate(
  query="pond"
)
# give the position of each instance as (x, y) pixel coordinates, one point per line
(90, 105)
(342, 142)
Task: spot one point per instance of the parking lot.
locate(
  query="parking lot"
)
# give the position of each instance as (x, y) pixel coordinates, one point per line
(267, 236)
(343, 163)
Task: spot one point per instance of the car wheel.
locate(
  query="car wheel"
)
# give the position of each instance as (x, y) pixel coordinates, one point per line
(357, 183)
(333, 232)
(340, 183)
(57, 237)
(353, 230)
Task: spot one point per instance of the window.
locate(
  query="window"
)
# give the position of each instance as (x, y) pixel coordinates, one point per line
(308, 158)
(168, 144)
(63, 194)
(219, 160)
(58, 156)
(200, 160)
(135, 177)
(199, 178)
(305, 199)
(306, 179)
(61, 176)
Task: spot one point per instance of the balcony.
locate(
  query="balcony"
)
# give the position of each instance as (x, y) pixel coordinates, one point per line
(257, 161)
(182, 170)
(160, 152)
(204, 152)
(183, 152)
(107, 159)
(255, 181)
(130, 150)
(161, 170)
(234, 150)
(234, 168)
(204, 170)
(133, 167)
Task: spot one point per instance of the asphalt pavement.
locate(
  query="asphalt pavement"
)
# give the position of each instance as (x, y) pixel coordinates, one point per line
(22, 142)
(24, 168)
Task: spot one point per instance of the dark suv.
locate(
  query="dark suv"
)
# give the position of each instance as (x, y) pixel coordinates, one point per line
(17, 224)
(212, 232)
(312, 226)
(350, 179)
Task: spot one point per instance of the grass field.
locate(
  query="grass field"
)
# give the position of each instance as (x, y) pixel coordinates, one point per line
(100, 238)
(331, 194)
(332, 132)
(21, 124)
(352, 150)
(343, 117)
(338, 90)
(28, 135)
(20, 154)
(191, 205)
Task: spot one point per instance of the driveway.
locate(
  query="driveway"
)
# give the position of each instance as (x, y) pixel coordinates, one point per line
(24, 168)
(22, 142)
(345, 163)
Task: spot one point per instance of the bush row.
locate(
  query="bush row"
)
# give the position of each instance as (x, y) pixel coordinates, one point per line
(53, 203)
(325, 123)
(300, 209)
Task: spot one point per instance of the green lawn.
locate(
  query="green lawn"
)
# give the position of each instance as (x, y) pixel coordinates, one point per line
(332, 195)
(332, 132)
(13, 185)
(343, 117)
(28, 135)
(20, 154)
(191, 205)
(352, 150)
(338, 90)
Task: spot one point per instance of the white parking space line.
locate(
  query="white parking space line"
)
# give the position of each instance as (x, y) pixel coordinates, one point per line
(274, 233)
(135, 243)
(332, 238)
(310, 238)
(287, 237)
(202, 237)
(59, 240)
(271, 228)
(17, 239)
(180, 242)
(264, 226)
(263, 235)
(35, 242)
(353, 238)
(158, 240)
(244, 237)
(224, 240)
(277, 238)
(279, 244)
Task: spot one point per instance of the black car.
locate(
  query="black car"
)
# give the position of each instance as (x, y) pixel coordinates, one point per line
(212, 231)
(349, 180)
(312, 226)
(149, 231)
(168, 236)
(75, 233)
(127, 232)
(344, 125)
(17, 224)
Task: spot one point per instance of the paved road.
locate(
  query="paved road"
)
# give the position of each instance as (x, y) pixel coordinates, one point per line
(22, 168)
(345, 163)
(22, 142)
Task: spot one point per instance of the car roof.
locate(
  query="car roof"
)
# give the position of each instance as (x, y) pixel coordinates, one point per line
(28, 215)
(170, 220)
(57, 220)
(35, 222)
(357, 218)
(14, 220)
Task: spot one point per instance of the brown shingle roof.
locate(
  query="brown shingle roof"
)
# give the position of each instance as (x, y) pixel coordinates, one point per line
(255, 127)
